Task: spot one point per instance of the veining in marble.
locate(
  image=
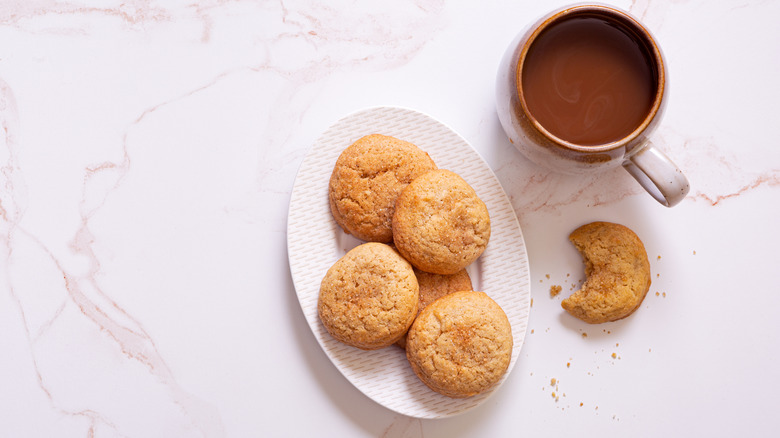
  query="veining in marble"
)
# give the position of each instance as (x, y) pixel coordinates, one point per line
(147, 154)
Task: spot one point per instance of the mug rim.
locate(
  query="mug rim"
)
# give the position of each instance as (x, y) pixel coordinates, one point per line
(625, 18)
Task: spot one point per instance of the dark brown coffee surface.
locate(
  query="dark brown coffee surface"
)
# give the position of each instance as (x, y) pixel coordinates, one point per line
(588, 81)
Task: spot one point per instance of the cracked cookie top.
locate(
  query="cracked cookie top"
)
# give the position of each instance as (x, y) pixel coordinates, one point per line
(440, 225)
(367, 178)
(461, 344)
(435, 286)
(369, 298)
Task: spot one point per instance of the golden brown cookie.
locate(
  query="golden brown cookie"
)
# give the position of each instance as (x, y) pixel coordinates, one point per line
(617, 271)
(368, 298)
(366, 180)
(440, 225)
(461, 344)
(435, 286)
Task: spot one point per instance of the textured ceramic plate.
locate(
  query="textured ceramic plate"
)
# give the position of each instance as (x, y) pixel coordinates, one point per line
(315, 242)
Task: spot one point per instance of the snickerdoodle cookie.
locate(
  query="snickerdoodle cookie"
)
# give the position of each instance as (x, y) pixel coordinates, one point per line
(440, 225)
(366, 180)
(435, 286)
(368, 298)
(617, 273)
(461, 344)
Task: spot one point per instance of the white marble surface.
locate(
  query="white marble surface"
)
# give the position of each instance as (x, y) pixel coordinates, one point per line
(147, 154)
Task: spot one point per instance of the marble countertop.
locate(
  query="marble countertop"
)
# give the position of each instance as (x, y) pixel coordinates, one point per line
(147, 155)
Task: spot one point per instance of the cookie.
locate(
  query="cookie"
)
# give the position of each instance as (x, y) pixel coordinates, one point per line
(369, 297)
(366, 180)
(617, 273)
(435, 286)
(440, 225)
(461, 344)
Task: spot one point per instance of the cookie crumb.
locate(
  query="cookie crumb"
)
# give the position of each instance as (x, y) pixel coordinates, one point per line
(657, 294)
(584, 335)
(659, 257)
(553, 381)
(694, 252)
(532, 331)
(547, 276)
(555, 290)
(532, 301)
(580, 404)
(664, 294)
(614, 355)
(568, 364)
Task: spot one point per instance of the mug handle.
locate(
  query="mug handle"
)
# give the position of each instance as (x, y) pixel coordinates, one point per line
(657, 174)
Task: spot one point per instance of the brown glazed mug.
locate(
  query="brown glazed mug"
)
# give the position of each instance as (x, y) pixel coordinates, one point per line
(632, 149)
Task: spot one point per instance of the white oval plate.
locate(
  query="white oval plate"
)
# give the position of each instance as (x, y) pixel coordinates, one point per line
(315, 242)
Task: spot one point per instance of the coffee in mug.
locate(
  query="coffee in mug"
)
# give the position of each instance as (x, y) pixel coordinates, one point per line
(581, 90)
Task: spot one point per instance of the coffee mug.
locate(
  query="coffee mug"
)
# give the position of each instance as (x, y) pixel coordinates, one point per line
(581, 90)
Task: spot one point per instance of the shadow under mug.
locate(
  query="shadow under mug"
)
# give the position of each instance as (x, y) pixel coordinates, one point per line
(654, 171)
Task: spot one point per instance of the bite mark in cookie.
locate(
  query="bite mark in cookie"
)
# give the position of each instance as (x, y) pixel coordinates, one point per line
(617, 273)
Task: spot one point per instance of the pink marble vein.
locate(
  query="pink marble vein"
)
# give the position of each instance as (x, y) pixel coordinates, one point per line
(72, 325)
(43, 310)
(15, 12)
(83, 343)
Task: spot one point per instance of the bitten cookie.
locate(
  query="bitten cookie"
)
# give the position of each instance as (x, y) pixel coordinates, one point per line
(617, 273)
(440, 225)
(366, 180)
(461, 344)
(368, 298)
(435, 286)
